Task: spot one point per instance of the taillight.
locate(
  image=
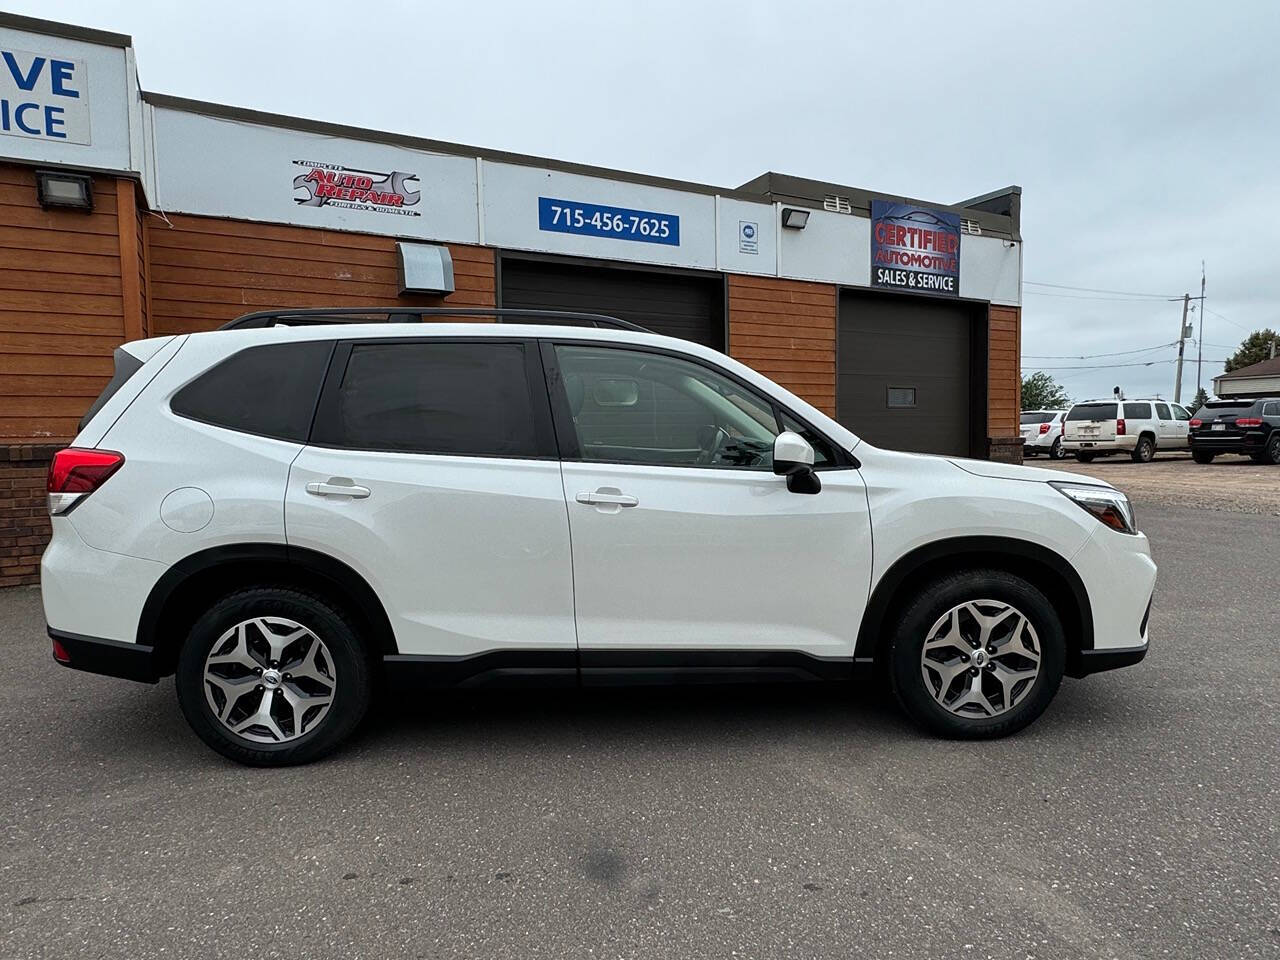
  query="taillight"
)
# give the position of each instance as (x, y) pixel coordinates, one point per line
(1196, 422)
(75, 473)
(1248, 421)
(60, 652)
(1120, 428)
(1044, 428)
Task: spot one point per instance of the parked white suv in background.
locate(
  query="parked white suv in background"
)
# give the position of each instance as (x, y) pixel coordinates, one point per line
(1099, 428)
(1042, 432)
(285, 510)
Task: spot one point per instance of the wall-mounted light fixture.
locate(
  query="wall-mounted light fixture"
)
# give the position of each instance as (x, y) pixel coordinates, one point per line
(794, 218)
(70, 191)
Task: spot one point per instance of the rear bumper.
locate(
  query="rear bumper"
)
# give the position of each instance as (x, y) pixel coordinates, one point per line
(111, 658)
(1249, 443)
(1125, 444)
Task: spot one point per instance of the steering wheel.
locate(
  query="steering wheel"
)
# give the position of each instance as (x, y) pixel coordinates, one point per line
(715, 439)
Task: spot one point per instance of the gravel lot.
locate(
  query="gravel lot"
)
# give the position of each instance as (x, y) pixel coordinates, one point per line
(1136, 819)
(1231, 483)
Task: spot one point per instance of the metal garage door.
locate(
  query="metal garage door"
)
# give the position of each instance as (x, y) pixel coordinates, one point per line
(676, 305)
(904, 373)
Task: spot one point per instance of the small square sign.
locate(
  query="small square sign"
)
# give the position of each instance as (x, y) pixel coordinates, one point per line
(748, 236)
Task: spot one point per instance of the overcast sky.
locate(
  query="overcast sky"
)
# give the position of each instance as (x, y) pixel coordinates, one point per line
(1145, 136)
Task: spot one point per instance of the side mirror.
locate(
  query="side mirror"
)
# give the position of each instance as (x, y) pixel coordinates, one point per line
(793, 459)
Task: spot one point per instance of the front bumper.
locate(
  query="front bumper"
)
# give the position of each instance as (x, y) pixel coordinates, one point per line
(111, 658)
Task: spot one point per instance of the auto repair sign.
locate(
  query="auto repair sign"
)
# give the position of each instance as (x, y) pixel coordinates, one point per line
(915, 248)
(333, 185)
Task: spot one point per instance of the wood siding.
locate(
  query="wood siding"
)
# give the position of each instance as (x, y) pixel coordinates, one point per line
(61, 306)
(207, 271)
(1004, 376)
(786, 329)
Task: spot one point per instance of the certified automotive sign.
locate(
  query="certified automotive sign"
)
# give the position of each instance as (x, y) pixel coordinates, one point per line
(915, 248)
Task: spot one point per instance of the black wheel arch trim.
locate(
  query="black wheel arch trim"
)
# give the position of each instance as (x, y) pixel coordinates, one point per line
(294, 566)
(979, 550)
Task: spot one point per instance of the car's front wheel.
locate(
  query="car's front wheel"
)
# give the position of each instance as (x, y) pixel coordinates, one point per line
(273, 677)
(977, 654)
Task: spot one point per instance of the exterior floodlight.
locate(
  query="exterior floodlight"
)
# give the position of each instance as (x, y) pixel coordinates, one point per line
(794, 219)
(71, 191)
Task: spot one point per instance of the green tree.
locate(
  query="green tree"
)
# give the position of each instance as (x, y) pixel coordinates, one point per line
(1255, 348)
(1041, 392)
(1201, 398)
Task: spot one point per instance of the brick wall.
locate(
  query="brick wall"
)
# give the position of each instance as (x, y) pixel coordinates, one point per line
(24, 517)
(786, 329)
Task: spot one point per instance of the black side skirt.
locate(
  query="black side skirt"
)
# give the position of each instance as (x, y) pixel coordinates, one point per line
(610, 668)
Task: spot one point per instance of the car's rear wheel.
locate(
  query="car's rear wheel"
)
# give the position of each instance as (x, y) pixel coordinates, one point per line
(1144, 451)
(977, 654)
(1085, 456)
(273, 677)
(1273, 448)
(1202, 456)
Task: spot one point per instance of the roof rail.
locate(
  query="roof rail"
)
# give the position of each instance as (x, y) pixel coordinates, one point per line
(273, 318)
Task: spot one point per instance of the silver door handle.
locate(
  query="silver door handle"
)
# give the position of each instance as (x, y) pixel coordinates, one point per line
(337, 487)
(617, 499)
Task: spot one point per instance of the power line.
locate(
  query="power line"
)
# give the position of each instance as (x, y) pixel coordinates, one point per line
(1091, 356)
(1119, 293)
(1077, 296)
(1227, 319)
(1111, 366)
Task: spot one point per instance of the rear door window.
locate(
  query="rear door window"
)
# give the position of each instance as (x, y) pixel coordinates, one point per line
(1162, 411)
(1092, 411)
(1137, 411)
(435, 397)
(269, 390)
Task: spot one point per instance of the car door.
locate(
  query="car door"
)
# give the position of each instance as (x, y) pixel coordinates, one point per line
(1181, 425)
(1166, 426)
(684, 540)
(431, 470)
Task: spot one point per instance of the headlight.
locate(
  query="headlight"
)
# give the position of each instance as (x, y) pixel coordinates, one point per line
(1110, 506)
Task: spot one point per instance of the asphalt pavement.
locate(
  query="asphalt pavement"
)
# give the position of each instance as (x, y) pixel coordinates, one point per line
(1137, 818)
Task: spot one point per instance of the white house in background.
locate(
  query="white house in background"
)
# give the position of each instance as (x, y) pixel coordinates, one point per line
(1257, 380)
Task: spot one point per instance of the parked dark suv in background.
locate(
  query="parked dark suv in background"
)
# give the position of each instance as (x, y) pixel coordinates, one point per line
(1237, 426)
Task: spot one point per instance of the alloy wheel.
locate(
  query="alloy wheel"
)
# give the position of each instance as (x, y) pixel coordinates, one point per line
(269, 680)
(980, 658)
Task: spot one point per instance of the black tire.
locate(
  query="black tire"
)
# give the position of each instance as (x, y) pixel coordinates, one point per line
(935, 599)
(1056, 452)
(1145, 450)
(1203, 456)
(1085, 456)
(1272, 448)
(349, 665)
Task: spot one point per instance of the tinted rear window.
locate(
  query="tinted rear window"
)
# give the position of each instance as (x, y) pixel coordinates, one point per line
(1092, 411)
(1029, 418)
(1224, 408)
(1137, 411)
(470, 399)
(126, 366)
(269, 390)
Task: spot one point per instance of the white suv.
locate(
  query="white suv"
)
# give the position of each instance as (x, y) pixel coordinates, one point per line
(1042, 432)
(1098, 428)
(285, 513)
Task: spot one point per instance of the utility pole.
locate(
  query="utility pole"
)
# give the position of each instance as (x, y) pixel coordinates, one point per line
(1200, 339)
(1182, 343)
